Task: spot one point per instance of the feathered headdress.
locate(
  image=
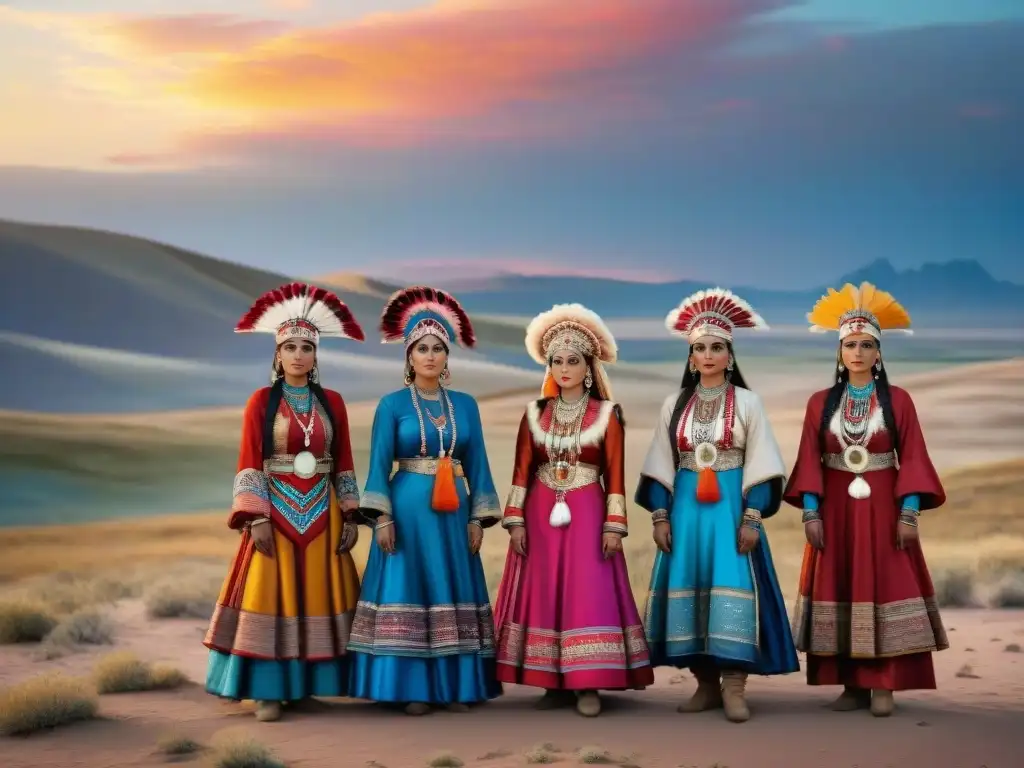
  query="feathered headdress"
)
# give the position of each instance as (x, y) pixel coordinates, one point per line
(300, 311)
(575, 328)
(858, 310)
(713, 312)
(412, 313)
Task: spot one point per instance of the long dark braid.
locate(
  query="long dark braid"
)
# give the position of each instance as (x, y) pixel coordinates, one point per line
(835, 394)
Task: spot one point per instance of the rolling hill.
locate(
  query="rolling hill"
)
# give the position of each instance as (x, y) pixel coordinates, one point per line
(93, 321)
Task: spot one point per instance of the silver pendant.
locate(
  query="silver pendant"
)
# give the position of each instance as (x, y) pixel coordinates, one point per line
(705, 455)
(304, 464)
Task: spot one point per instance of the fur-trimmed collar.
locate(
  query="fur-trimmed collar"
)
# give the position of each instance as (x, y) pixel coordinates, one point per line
(595, 421)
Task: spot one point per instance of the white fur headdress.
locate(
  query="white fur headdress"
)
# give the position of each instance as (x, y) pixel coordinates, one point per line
(572, 327)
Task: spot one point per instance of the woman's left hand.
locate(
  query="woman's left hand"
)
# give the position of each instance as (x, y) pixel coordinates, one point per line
(476, 538)
(748, 539)
(610, 544)
(349, 537)
(905, 535)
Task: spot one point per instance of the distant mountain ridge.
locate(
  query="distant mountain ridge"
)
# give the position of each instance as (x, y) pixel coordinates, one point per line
(934, 294)
(94, 321)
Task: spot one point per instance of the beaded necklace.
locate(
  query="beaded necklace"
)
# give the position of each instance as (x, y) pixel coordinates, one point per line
(300, 402)
(855, 407)
(298, 398)
(439, 423)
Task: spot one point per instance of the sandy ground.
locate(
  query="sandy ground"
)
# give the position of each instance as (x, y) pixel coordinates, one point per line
(969, 722)
(971, 420)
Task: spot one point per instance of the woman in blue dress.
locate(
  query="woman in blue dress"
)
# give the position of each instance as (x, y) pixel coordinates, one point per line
(712, 474)
(423, 633)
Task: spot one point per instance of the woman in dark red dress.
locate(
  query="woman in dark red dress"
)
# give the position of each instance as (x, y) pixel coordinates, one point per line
(866, 615)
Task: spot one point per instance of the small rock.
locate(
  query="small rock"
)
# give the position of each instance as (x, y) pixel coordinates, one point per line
(966, 671)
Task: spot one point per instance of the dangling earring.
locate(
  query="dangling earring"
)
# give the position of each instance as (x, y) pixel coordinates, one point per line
(693, 368)
(588, 380)
(408, 375)
(446, 374)
(275, 374)
(842, 367)
(878, 367)
(314, 374)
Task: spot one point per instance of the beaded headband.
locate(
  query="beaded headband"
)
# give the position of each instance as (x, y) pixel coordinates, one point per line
(569, 336)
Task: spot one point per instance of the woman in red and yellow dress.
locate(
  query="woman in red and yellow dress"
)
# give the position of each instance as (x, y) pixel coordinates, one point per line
(280, 630)
(866, 614)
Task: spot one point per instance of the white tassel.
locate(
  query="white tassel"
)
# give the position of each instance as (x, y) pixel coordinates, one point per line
(859, 488)
(560, 515)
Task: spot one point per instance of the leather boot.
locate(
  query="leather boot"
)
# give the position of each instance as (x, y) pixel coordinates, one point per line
(709, 691)
(588, 703)
(881, 702)
(734, 696)
(268, 711)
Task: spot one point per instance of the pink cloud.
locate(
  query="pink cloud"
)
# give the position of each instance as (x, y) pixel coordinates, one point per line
(456, 59)
(195, 33)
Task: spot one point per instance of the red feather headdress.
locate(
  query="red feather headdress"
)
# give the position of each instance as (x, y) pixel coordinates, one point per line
(714, 312)
(300, 311)
(412, 313)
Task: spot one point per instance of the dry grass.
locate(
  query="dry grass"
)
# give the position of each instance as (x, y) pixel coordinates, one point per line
(542, 754)
(22, 621)
(445, 760)
(46, 701)
(124, 672)
(236, 750)
(176, 745)
(595, 756)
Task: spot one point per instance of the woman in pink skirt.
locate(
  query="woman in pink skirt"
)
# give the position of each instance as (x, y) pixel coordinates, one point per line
(566, 618)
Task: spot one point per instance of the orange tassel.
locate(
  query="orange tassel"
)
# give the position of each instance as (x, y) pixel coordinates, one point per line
(446, 495)
(549, 388)
(707, 487)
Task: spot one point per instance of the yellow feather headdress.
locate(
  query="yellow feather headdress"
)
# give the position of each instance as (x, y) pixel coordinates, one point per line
(858, 310)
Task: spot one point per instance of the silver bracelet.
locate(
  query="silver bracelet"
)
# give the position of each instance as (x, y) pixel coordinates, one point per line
(383, 524)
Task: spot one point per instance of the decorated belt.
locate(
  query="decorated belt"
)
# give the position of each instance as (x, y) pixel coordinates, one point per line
(565, 477)
(303, 464)
(719, 461)
(427, 466)
(857, 459)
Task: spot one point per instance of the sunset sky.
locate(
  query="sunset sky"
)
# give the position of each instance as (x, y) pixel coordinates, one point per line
(787, 141)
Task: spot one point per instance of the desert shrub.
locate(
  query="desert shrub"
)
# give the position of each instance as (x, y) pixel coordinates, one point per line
(243, 752)
(445, 760)
(46, 701)
(955, 588)
(594, 756)
(1009, 592)
(182, 598)
(538, 756)
(175, 744)
(84, 627)
(124, 672)
(24, 622)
